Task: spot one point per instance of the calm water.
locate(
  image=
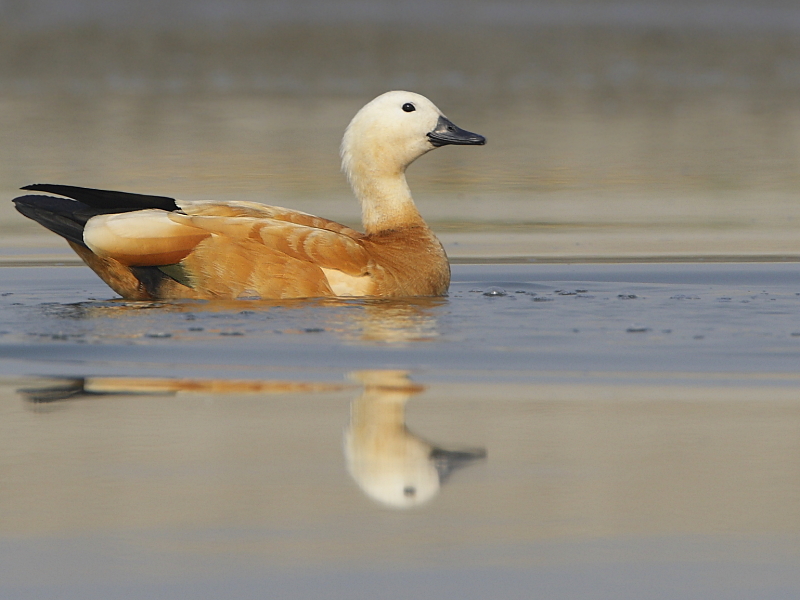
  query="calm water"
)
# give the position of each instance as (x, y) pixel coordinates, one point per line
(585, 430)
(567, 426)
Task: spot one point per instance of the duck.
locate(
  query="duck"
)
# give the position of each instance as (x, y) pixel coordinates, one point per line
(148, 247)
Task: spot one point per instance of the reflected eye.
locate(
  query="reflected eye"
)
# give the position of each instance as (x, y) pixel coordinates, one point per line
(408, 107)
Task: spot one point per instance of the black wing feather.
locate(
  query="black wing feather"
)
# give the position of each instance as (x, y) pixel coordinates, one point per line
(107, 200)
(67, 217)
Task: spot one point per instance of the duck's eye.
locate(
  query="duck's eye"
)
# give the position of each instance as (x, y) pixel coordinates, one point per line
(408, 107)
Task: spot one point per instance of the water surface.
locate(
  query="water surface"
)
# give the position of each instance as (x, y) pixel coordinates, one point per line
(587, 414)
(555, 430)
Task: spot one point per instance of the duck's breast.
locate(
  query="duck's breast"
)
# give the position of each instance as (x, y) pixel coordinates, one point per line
(408, 262)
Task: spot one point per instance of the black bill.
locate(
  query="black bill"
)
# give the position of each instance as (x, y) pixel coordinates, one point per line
(448, 133)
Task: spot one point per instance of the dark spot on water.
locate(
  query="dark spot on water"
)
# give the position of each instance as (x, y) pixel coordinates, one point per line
(313, 330)
(698, 337)
(724, 299)
(684, 297)
(566, 293)
(627, 296)
(637, 329)
(158, 334)
(231, 333)
(190, 317)
(542, 299)
(409, 491)
(666, 331)
(4, 294)
(794, 333)
(494, 291)
(196, 328)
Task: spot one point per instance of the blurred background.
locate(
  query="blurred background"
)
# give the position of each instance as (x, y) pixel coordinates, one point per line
(641, 129)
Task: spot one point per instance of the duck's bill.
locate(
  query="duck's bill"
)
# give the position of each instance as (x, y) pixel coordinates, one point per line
(447, 461)
(448, 133)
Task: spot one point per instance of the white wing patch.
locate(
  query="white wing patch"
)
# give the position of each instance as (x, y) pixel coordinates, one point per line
(141, 238)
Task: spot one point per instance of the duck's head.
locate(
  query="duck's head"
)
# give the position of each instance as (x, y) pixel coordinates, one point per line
(395, 129)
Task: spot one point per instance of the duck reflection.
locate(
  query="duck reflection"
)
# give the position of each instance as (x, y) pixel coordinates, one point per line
(94, 387)
(388, 462)
(355, 320)
(393, 321)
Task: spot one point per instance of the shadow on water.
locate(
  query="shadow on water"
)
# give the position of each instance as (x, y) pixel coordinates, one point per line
(390, 464)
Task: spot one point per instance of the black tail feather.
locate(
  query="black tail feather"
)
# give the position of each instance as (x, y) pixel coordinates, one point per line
(65, 217)
(68, 216)
(109, 201)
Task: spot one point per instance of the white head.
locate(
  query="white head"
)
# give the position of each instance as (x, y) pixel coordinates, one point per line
(386, 136)
(396, 128)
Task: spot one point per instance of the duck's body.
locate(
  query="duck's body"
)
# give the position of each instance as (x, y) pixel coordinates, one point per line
(149, 247)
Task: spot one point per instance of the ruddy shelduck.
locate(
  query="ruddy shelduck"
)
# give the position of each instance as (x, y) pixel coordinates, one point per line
(150, 247)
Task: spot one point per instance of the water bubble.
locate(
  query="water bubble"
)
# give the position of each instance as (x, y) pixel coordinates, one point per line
(495, 291)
